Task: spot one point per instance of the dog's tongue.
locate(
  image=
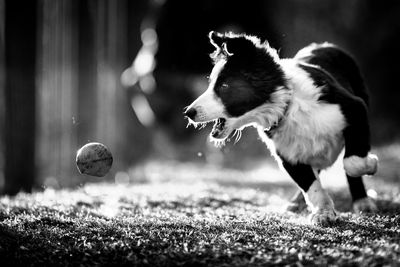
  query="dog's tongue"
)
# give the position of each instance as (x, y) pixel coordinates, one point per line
(218, 127)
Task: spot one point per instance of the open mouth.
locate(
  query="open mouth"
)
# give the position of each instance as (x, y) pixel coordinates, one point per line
(218, 128)
(221, 131)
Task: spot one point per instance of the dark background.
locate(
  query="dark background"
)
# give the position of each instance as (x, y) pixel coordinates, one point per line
(61, 63)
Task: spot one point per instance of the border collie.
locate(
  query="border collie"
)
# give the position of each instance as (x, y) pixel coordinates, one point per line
(306, 109)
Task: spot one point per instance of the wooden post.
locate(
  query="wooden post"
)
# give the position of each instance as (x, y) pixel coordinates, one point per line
(57, 94)
(20, 54)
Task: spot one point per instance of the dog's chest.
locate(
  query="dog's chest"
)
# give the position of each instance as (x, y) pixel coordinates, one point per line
(311, 133)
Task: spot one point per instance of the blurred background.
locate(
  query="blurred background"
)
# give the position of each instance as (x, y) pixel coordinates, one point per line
(121, 72)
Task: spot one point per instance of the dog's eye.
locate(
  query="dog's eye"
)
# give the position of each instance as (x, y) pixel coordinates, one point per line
(224, 86)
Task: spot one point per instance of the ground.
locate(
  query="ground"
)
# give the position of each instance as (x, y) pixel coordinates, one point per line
(179, 214)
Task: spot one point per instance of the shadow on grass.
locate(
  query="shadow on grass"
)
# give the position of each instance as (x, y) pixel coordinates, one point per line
(388, 207)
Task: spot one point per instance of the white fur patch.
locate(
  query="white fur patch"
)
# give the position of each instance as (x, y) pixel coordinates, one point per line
(321, 205)
(218, 67)
(311, 133)
(356, 166)
(266, 115)
(316, 197)
(308, 50)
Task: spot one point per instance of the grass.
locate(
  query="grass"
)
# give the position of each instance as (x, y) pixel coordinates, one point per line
(185, 215)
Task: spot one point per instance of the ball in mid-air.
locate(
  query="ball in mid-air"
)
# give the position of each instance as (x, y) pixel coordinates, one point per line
(94, 159)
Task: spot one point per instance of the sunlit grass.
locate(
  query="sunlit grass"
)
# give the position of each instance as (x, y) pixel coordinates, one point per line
(186, 214)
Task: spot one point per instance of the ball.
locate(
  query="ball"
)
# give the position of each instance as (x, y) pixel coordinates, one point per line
(94, 159)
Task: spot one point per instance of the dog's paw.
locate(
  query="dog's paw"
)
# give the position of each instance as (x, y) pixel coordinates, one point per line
(323, 217)
(366, 204)
(356, 166)
(297, 205)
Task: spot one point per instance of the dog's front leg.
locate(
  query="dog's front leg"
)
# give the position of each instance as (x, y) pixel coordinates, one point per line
(317, 199)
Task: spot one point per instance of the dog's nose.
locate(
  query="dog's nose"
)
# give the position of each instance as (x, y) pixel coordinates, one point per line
(191, 113)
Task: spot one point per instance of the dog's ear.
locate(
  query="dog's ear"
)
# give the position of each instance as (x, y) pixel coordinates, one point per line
(231, 43)
(219, 41)
(232, 48)
(216, 39)
(234, 45)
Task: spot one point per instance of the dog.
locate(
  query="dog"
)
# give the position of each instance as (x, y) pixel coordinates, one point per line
(306, 109)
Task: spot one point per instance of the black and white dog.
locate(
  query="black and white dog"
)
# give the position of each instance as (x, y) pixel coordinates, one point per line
(306, 109)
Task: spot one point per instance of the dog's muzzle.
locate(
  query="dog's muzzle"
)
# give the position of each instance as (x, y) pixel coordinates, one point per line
(191, 113)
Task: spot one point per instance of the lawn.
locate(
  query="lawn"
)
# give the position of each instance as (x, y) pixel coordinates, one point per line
(175, 214)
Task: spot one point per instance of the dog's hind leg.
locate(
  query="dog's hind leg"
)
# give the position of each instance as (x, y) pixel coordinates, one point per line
(361, 202)
(357, 159)
(317, 199)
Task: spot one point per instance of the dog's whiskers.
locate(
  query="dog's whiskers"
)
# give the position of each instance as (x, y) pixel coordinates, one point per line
(238, 134)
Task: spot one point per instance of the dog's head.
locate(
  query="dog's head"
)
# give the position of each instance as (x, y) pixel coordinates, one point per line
(246, 87)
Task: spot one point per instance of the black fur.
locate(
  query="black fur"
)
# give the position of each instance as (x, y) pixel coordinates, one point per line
(357, 188)
(302, 174)
(249, 76)
(342, 67)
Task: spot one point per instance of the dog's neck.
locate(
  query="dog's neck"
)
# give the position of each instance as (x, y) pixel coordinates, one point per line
(281, 118)
(297, 90)
(298, 87)
(301, 94)
(272, 114)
